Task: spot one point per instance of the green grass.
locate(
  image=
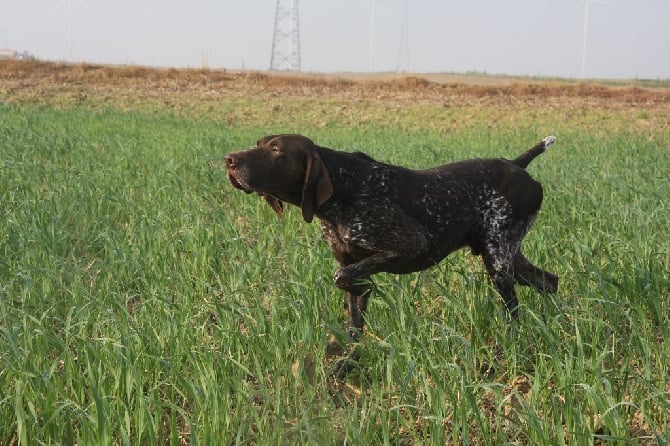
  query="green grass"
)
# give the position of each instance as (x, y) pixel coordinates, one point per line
(144, 301)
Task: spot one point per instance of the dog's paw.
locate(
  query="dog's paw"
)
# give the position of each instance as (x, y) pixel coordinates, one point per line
(549, 141)
(347, 279)
(343, 278)
(346, 363)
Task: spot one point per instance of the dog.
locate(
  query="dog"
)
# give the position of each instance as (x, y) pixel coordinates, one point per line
(378, 217)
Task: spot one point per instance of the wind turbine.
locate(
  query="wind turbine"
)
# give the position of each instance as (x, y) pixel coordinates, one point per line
(586, 31)
(403, 48)
(69, 23)
(374, 4)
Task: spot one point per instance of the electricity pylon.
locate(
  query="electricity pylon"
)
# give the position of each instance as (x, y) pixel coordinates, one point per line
(286, 39)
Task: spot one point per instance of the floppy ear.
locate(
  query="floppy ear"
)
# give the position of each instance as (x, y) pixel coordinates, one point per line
(275, 203)
(317, 188)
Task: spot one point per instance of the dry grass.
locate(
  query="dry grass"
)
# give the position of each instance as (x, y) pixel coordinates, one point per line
(291, 102)
(21, 79)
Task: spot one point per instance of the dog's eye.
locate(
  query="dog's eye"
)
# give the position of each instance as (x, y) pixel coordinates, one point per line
(275, 149)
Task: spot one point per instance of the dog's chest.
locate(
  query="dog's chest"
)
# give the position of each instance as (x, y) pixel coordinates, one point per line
(345, 241)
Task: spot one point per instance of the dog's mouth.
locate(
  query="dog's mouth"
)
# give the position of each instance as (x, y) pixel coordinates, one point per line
(274, 202)
(237, 184)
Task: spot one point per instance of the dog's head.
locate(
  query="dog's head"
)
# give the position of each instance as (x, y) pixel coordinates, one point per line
(282, 168)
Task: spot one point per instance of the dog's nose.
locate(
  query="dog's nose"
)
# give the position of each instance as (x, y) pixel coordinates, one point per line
(230, 159)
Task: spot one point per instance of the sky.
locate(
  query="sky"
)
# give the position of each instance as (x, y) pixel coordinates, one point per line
(626, 39)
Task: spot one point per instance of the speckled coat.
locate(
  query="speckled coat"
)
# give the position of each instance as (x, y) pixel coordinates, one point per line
(378, 217)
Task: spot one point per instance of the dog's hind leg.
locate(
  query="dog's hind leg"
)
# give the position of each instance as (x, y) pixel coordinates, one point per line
(500, 269)
(502, 255)
(527, 274)
(498, 257)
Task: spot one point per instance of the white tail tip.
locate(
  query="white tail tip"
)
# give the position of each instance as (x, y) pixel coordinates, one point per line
(549, 141)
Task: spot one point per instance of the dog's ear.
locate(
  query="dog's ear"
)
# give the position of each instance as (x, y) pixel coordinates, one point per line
(264, 140)
(275, 203)
(317, 188)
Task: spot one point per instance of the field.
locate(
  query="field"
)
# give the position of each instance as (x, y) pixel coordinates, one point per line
(144, 301)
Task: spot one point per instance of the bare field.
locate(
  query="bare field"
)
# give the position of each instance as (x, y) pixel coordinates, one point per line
(309, 103)
(23, 80)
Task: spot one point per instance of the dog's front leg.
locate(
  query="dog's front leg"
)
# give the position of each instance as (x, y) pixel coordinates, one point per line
(354, 279)
(356, 306)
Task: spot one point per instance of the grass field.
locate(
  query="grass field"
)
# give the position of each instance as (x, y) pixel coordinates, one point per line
(144, 301)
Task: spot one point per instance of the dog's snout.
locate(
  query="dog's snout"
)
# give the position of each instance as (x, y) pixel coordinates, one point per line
(230, 159)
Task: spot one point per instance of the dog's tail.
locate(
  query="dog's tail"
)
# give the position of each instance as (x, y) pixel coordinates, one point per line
(525, 159)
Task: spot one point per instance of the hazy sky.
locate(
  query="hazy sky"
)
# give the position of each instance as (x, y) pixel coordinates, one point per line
(626, 38)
